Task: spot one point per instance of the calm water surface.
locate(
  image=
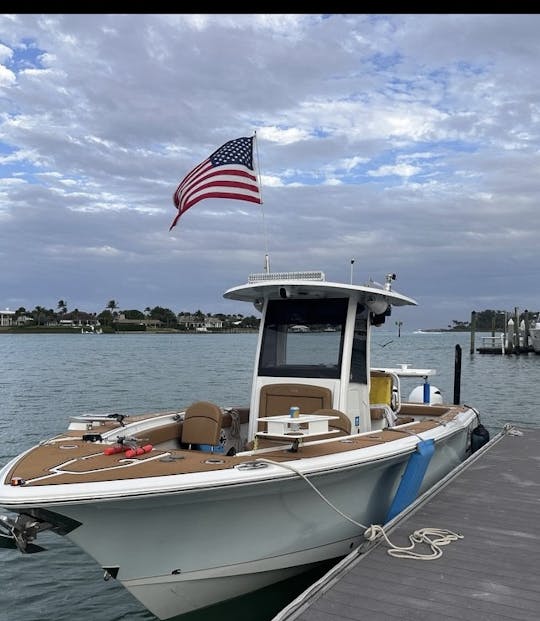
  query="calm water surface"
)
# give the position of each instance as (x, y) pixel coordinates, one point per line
(44, 379)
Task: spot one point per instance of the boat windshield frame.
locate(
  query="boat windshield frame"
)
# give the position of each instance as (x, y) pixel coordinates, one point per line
(303, 338)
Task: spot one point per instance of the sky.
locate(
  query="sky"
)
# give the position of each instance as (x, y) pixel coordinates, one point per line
(409, 143)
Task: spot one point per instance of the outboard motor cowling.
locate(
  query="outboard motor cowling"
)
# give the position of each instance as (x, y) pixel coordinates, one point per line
(417, 395)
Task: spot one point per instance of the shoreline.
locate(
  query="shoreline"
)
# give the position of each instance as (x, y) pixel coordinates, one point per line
(115, 332)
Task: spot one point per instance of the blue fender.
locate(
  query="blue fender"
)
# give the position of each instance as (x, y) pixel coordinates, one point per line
(412, 478)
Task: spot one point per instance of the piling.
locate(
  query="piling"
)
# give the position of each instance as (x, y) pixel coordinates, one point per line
(457, 375)
(526, 332)
(517, 348)
(473, 330)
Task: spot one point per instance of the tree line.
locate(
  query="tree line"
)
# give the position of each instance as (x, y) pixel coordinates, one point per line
(41, 316)
(486, 320)
(492, 320)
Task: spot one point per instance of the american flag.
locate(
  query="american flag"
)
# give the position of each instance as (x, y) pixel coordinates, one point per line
(227, 173)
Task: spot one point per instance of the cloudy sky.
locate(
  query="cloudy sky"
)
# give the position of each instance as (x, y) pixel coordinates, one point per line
(409, 143)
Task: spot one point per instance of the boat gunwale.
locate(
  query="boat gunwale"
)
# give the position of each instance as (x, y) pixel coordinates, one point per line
(231, 475)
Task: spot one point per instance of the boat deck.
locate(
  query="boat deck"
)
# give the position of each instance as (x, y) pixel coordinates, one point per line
(493, 500)
(75, 461)
(68, 458)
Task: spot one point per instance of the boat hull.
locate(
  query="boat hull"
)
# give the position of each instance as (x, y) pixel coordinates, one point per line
(179, 552)
(170, 596)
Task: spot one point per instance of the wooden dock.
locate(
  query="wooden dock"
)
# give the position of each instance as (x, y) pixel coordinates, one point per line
(497, 345)
(492, 574)
(500, 351)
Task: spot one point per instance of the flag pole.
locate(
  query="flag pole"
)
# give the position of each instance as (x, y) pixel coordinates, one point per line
(266, 256)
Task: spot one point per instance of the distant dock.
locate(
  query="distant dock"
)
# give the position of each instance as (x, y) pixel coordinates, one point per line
(514, 339)
(497, 344)
(493, 500)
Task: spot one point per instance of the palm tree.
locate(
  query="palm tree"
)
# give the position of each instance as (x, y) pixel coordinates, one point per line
(39, 313)
(62, 307)
(111, 307)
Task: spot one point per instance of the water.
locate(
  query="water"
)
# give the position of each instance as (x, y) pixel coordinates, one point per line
(44, 379)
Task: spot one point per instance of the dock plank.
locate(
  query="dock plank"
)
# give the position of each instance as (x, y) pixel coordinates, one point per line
(492, 574)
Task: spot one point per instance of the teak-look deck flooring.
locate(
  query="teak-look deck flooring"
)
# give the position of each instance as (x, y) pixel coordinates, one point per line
(69, 459)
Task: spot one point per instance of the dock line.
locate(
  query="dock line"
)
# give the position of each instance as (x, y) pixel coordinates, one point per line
(303, 476)
(433, 537)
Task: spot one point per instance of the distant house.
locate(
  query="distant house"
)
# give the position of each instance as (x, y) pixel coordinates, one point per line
(79, 319)
(6, 318)
(151, 323)
(22, 320)
(199, 324)
(213, 323)
(190, 322)
(147, 323)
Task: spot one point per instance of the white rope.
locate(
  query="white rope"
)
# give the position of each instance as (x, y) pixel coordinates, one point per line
(292, 469)
(512, 431)
(432, 537)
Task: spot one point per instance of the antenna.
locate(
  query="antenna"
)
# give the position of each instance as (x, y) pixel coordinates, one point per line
(388, 281)
(266, 256)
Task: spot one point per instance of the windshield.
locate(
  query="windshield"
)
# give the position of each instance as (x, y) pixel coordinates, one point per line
(303, 338)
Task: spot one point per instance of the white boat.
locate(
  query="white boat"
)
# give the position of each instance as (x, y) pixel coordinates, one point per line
(91, 330)
(191, 508)
(534, 335)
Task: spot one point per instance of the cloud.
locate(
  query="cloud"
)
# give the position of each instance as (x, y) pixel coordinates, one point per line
(410, 142)
(7, 77)
(400, 170)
